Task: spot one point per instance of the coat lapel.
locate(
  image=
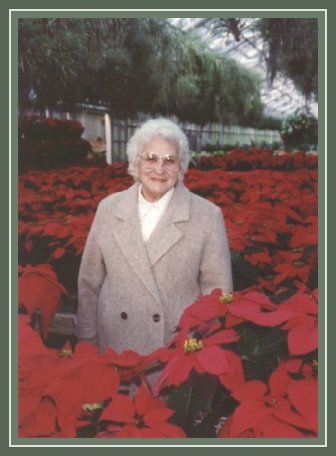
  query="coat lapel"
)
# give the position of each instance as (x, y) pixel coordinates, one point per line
(170, 228)
(127, 232)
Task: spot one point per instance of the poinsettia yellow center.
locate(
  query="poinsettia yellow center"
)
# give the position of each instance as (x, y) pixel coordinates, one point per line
(298, 264)
(65, 353)
(92, 407)
(192, 345)
(296, 249)
(226, 297)
(271, 400)
(315, 366)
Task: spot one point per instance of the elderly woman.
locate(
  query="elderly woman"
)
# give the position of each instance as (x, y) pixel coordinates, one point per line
(152, 249)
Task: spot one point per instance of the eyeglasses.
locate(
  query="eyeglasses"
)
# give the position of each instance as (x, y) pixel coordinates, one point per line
(169, 162)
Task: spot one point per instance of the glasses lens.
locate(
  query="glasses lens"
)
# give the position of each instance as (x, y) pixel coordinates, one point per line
(170, 162)
(150, 159)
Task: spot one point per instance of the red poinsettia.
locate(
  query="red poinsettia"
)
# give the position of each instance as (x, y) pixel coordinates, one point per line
(29, 376)
(40, 289)
(248, 305)
(291, 270)
(258, 258)
(284, 408)
(58, 383)
(42, 422)
(303, 328)
(306, 235)
(142, 417)
(202, 355)
(92, 383)
(234, 376)
(129, 364)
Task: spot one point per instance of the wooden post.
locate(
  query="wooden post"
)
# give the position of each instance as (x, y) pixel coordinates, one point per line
(222, 135)
(108, 138)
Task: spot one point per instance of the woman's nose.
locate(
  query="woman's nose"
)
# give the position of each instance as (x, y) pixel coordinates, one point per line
(159, 167)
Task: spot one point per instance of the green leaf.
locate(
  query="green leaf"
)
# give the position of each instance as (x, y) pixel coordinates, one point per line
(88, 431)
(179, 400)
(283, 295)
(249, 343)
(272, 341)
(190, 407)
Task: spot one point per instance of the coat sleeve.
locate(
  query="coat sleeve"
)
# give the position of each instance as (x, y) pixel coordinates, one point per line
(91, 276)
(215, 268)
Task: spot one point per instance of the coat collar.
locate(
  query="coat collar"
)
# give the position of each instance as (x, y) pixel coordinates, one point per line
(167, 233)
(169, 230)
(178, 207)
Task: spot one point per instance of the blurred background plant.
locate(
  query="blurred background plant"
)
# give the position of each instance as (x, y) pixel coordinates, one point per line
(300, 131)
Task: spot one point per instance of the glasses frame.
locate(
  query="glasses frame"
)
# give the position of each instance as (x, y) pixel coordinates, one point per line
(158, 159)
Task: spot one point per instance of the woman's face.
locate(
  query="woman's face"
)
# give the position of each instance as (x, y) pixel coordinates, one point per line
(158, 168)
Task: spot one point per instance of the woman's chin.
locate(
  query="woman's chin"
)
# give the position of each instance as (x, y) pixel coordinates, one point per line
(155, 190)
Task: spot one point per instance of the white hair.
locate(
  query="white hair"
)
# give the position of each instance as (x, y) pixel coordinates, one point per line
(150, 129)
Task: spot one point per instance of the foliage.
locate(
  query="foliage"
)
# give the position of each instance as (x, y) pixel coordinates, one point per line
(240, 365)
(230, 360)
(292, 46)
(51, 56)
(269, 123)
(300, 131)
(249, 158)
(48, 143)
(265, 199)
(220, 149)
(39, 289)
(213, 87)
(132, 65)
(49, 128)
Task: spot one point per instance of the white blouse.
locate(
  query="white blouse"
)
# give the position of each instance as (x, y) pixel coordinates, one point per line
(150, 213)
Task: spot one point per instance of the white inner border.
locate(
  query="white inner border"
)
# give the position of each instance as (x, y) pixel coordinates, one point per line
(10, 226)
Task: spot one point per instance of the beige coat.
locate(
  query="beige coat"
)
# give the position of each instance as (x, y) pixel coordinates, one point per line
(131, 294)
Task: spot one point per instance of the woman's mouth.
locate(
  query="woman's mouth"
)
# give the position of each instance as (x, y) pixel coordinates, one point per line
(157, 179)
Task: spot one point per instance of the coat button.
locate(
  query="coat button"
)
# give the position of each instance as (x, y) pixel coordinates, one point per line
(124, 315)
(156, 318)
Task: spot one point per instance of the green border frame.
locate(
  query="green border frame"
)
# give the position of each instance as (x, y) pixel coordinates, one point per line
(129, 11)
